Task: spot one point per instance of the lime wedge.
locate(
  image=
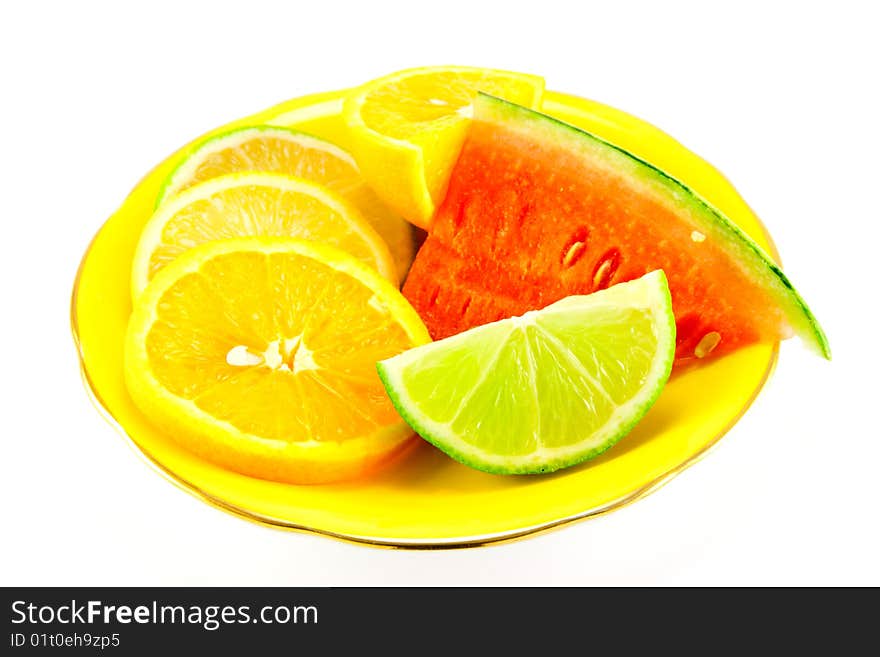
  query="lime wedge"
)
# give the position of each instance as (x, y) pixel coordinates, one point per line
(543, 391)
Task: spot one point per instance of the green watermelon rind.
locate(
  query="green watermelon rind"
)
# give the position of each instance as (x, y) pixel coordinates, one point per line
(441, 436)
(743, 248)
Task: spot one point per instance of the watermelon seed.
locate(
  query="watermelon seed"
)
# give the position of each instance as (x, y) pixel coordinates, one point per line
(432, 300)
(697, 236)
(575, 248)
(706, 344)
(606, 269)
(459, 217)
(574, 253)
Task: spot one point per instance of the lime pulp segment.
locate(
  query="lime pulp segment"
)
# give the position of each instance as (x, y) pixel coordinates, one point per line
(542, 391)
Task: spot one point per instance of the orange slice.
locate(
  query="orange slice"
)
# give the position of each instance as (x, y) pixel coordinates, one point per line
(259, 354)
(282, 150)
(254, 203)
(408, 127)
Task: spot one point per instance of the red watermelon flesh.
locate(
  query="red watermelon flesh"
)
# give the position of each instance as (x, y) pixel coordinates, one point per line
(537, 210)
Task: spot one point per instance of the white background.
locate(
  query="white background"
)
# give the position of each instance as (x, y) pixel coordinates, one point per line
(780, 96)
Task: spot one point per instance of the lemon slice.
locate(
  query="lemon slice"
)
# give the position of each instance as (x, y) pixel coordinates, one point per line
(281, 150)
(408, 127)
(259, 354)
(252, 203)
(543, 391)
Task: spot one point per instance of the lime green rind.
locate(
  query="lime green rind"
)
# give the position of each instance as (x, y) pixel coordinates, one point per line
(171, 179)
(390, 374)
(802, 319)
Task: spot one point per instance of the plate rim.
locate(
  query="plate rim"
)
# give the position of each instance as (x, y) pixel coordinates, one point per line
(415, 544)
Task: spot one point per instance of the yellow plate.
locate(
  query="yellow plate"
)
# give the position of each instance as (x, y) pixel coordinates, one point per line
(426, 499)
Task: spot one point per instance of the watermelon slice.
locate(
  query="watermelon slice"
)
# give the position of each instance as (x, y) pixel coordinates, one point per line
(538, 210)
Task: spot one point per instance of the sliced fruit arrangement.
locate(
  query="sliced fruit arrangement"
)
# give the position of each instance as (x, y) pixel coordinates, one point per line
(281, 150)
(538, 210)
(562, 277)
(408, 128)
(253, 204)
(259, 354)
(543, 391)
